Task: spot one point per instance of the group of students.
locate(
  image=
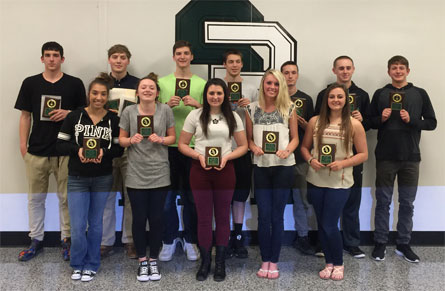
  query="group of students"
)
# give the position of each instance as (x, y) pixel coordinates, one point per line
(271, 133)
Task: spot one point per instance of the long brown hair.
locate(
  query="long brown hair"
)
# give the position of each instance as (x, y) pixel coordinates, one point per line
(323, 122)
(225, 107)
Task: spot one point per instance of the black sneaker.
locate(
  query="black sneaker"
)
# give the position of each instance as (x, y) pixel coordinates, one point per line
(319, 251)
(302, 244)
(238, 247)
(407, 253)
(154, 271)
(143, 272)
(356, 252)
(379, 252)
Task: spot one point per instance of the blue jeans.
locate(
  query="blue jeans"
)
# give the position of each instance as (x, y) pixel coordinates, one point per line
(272, 189)
(87, 197)
(328, 205)
(407, 174)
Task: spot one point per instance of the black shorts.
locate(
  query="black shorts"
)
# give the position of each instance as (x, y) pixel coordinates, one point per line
(243, 174)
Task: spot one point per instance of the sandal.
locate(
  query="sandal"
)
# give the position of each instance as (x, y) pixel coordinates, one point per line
(338, 273)
(325, 274)
(262, 273)
(273, 277)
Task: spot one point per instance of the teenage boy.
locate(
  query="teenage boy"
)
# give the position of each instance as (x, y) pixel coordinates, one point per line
(180, 164)
(247, 93)
(358, 99)
(399, 111)
(122, 94)
(45, 100)
(305, 110)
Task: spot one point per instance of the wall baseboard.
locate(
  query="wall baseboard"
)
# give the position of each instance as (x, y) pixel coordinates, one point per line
(418, 238)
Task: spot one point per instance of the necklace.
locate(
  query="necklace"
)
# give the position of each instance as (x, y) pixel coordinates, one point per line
(216, 120)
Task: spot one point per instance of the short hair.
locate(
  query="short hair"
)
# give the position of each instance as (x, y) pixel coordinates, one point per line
(342, 58)
(52, 46)
(232, 52)
(119, 48)
(180, 44)
(289, 63)
(398, 60)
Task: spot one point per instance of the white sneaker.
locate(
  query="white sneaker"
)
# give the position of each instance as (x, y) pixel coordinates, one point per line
(143, 272)
(155, 275)
(76, 274)
(168, 250)
(191, 251)
(87, 275)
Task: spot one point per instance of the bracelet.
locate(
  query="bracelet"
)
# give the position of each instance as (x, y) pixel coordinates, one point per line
(162, 140)
(310, 160)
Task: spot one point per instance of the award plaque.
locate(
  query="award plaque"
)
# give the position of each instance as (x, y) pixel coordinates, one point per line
(182, 87)
(145, 125)
(91, 147)
(327, 153)
(213, 157)
(352, 99)
(396, 100)
(300, 106)
(127, 103)
(234, 91)
(113, 104)
(270, 142)
(50, 104)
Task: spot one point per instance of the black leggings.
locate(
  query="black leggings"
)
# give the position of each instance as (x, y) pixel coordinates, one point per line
(147, 204)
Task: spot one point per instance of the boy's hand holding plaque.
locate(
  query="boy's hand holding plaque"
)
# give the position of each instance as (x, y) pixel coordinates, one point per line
(396, 100)
(213, 157)
(300, 106)
(182, 87)
(91, 147)
(352, 100)
(270, 142)
(234, 91)
(145, 125)
(327, 153)
(50, 104)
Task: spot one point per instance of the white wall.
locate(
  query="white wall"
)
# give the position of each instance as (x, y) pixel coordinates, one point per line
(369, 31)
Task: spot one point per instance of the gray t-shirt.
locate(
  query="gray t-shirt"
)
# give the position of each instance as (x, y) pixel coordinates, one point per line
(148, 165)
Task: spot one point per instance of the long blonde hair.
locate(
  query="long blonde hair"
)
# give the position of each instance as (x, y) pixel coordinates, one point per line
(346, 129)
(283, 101)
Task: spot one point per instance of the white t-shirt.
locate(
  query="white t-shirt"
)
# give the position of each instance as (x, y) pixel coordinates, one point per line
(217, 133)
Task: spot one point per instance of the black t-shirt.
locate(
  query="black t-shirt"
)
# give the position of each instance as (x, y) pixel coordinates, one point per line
(70, 90)
(308, 113)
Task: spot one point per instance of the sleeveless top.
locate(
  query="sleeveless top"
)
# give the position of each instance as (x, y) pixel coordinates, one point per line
(270, 121)
(325, 177)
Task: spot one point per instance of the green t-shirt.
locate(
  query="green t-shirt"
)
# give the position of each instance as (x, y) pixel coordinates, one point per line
(180, 112)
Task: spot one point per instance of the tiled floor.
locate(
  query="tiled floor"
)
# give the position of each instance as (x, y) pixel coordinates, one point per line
(48, 272)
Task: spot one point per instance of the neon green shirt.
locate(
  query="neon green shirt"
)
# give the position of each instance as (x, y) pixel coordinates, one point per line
(180, 112)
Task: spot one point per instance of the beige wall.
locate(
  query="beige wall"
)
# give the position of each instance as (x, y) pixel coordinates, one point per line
(369, 31)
